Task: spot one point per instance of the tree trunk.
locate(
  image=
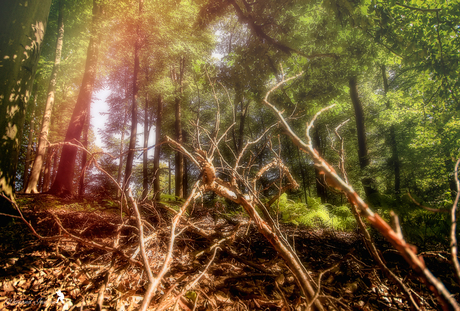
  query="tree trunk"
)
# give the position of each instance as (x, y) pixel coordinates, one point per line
(239, 101)
(179, 158)
(55, 165)
(395, 162)
(63, 184)
(169, 180)
(47, 172)
(22, 31)
(321, 189)
(29, 144)
(185, 177)
(42, 141)
(132, 139)
(367, 181)
(84, 156)
(145, 182)
(156, 157)
(122, 144)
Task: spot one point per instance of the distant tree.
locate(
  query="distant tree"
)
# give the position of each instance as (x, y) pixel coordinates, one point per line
(135, 99)
(63, 184)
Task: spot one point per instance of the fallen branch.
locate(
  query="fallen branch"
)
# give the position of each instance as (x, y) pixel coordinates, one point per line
(407, 251)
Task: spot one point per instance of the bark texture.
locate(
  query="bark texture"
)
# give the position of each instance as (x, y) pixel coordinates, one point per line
(22, 31)
(63, 183)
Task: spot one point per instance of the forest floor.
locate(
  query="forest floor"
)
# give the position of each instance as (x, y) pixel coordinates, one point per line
(232, 265)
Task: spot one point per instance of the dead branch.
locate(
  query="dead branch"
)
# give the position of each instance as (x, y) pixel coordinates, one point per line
(431, 209)
(271, 232)
(154, 282)
(453, 235)
(407, 251)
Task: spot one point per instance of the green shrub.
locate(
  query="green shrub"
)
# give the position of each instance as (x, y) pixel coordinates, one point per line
(316, 214)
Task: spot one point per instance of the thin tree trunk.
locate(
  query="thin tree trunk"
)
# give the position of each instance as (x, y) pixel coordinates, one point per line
(169, 181)
(42, 142)
(29, 144)
(145, 182)
(22, 31)
(367, 181)
(156, 157)
(122, 144)
(81, 188)
(63, 184)
(132, 139)
(395, 162)
(185, 176)
(179, 158)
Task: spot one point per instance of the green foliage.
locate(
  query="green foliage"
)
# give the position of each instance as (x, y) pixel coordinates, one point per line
(169, 198)
(315, 214)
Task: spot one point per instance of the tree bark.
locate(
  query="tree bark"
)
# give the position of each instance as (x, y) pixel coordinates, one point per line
(42, 141)
(395, 162)
(157, 154)
(132, 139)
(145, 181)
(22, 31)
(367, 181)
(63, 184)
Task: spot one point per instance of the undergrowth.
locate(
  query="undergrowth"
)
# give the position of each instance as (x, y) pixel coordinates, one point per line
(315, 214)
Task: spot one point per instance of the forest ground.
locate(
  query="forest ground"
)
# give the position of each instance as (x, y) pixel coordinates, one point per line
(245, 273)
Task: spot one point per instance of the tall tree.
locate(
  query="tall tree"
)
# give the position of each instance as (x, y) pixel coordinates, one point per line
(23, 28)
(42, 142)
(157, 153)
(145, 176)
(63, 183)
(135, 104)
(363, 154)
(178, 79)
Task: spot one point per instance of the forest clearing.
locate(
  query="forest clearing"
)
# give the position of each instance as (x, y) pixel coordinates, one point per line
(251, 155)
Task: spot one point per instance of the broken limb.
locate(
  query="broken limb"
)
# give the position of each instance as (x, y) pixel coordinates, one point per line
(407, 251)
